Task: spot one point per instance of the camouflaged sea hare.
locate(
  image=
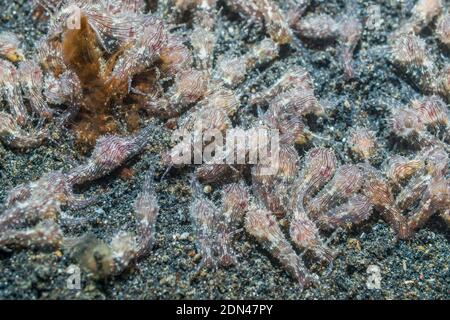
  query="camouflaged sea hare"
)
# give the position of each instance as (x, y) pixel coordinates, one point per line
(101, 59)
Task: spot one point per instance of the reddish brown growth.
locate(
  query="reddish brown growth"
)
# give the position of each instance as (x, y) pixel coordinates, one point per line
(269, 193)
(108, 49)
(126, 174)
(82, 55)
(410, 52)
(289, 99)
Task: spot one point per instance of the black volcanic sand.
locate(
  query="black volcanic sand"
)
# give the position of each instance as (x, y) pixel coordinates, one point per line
(415, 269)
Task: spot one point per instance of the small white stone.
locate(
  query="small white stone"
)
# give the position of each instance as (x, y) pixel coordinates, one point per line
(184, 236)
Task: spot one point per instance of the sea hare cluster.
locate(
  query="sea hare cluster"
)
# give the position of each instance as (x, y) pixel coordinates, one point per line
(102, 64)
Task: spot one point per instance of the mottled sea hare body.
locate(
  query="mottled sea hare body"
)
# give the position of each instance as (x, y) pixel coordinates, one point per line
(360, 111)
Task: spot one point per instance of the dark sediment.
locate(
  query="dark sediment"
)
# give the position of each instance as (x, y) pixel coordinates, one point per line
(416, 269)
